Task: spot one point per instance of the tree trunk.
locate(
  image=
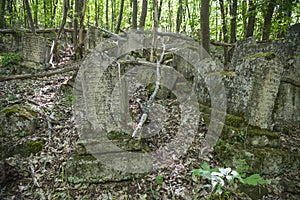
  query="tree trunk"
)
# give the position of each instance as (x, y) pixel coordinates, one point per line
(179, 16)
(36, 13)
(45, 13)
(204, 22)
(28, 9)
(134, 14)
(159, 9)
(251, 19)
(224, 30)
(112, 15)
(96, 14)
(120, 16)
(65, 14)
(106, 15)
(54, 13)
(143, 14)
(233, 13)
(155, 27)
(267, 20)
(80, 35)
(244, 14)
(78, 9)
(2, 14)
(170, 15)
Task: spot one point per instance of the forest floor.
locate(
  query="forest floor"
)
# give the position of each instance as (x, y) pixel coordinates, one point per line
(42, 176)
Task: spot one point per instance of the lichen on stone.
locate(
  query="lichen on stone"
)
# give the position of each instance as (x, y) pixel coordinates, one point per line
(266, 55)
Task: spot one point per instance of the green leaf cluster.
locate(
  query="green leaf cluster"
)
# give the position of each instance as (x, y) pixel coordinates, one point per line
(221, 177)
(9, 59)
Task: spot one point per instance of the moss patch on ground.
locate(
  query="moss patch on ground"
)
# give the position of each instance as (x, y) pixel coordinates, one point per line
(22, 111)
(261, 132)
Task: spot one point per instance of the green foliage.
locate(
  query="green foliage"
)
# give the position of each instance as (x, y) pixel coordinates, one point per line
(254, 179)
(225, 177)
(159, 180)
(9, 59)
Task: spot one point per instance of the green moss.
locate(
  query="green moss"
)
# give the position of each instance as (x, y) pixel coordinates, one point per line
(235, 121)
(30, 147)
(266, 55)
(115, 135)
(254, 192)
(84, 157)
(260, 132)
(20, 110)
(227, 130)
(206, 119)
(228, 74)
(68, 97)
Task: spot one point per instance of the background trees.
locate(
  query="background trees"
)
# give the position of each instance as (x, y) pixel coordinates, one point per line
(228, 20)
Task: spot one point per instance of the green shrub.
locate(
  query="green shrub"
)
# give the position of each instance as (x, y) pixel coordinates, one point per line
(8, 59)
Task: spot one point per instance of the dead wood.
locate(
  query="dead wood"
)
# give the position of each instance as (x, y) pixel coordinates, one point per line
(39, 75)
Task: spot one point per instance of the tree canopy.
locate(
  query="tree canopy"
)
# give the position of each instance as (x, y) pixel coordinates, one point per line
(229, 20)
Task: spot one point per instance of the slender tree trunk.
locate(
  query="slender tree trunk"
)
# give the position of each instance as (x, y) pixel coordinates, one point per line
(96, 14)
(80, 35)
(134, 13)
(28, 9)
(63, 23)
(155, 14)
(155, 27)
(106, 15)
(244, 15)
(143, 14)
(45, 13)
(189, 18)
(2, 14)
(113, 18)
(233, 13)
(204, 22)
(224, 30)
(179, 16)
(251, 19)
(120, 16)
(36, 13)
(170, 13)
(78, 7)
(267, 20)
(11, 7)
(54, 13)
(159, 9)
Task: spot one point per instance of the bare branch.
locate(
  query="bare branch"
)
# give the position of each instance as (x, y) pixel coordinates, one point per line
(152, 97)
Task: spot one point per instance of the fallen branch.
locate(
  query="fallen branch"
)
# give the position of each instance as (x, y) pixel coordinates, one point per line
(106, 31)
(40, 75)
(149, 103)
(47, 30)
(222, 44)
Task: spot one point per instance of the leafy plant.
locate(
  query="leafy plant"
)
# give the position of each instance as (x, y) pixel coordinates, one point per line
(222, 177)
(8, 59)
(159, 180)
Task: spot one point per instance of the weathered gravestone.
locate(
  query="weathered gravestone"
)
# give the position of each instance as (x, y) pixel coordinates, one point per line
(263, 104)
(35, 51)
(263, 93)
